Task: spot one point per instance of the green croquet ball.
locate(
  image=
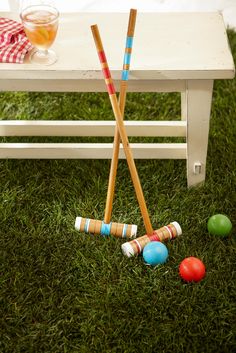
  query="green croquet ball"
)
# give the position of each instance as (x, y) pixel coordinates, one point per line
(219, 224)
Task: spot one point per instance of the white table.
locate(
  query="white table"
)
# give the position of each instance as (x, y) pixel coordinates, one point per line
(173, 52)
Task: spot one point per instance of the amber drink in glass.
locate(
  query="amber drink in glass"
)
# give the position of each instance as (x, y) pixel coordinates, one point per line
(40, 24)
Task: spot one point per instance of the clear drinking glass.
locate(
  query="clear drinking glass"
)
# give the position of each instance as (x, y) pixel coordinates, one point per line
(40, 21)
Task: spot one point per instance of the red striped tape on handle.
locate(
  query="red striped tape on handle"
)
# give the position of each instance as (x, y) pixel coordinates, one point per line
(103, 60)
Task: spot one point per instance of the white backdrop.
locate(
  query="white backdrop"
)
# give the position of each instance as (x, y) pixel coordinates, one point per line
(227, 7)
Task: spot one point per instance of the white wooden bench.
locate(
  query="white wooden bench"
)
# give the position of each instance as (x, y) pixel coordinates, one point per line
(172, 52)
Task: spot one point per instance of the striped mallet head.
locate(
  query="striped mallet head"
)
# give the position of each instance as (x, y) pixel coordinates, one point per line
(136, 246)
(93, 226)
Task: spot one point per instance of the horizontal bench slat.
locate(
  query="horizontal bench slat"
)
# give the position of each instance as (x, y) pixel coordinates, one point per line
(90, 150)
(90, 128)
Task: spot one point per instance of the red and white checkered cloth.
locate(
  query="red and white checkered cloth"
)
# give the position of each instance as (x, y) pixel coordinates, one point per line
(14, 44)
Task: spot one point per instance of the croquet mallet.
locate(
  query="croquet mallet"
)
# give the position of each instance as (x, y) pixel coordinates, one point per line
(122, 131)
(107, 227)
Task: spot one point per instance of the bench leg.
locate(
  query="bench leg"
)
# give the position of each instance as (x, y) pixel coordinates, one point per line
(196, 107)
(184, 105)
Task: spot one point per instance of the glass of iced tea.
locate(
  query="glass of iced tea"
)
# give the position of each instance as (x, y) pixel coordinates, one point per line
(40, 23)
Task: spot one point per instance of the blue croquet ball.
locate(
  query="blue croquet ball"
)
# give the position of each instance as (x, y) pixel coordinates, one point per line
(155, 253)
(219, 224)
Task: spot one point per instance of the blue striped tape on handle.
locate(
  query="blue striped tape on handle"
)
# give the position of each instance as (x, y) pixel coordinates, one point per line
(127, 58)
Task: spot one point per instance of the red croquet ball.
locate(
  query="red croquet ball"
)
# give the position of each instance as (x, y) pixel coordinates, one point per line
(192, 269)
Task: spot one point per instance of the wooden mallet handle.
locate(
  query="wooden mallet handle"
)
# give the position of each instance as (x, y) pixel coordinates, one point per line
(122, 100)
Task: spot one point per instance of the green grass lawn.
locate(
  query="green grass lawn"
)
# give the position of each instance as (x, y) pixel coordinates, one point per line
(64, 291)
